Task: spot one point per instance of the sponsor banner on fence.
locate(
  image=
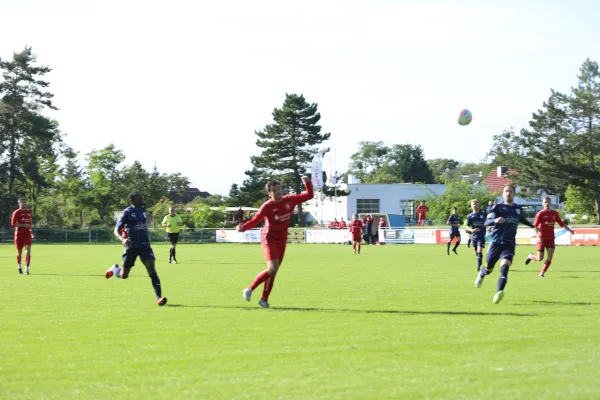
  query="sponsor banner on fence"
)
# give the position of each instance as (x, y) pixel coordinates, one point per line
(328, 236)
(528, 236)
(233, 236)
(585, 237)
(396, 235)
(425, 236)
(442, 236)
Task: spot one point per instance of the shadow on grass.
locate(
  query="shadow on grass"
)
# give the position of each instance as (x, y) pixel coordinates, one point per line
(345, 310)
(552, 270)
(560, 303)
(224, 263)
(69, 275)
(65, 275)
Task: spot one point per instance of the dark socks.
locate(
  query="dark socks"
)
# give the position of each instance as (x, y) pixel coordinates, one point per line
(170, 253)
(456, 246)
(448, 249)
(479, 260)
(503, 277)
(174, 255)
(156, 285)
(484, 272)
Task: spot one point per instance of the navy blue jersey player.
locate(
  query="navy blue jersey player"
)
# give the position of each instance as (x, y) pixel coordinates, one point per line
(504, 218)
(454, 222)
(132, 231)
(476, 227)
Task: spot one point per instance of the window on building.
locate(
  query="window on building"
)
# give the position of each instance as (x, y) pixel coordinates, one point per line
(407, 208)
(367, 206)
(531, 210)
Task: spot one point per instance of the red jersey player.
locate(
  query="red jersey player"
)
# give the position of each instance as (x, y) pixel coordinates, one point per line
(21, 221)
(277, 213)
(545, 220)
(356, 227)
(422, 210)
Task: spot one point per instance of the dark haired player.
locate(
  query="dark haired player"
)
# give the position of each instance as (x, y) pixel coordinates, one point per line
(454, 222)
(277, 213)
(476, 227)
(504, 218)
(137, 244)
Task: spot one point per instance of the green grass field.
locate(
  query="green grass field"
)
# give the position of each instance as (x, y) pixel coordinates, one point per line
(398, 321)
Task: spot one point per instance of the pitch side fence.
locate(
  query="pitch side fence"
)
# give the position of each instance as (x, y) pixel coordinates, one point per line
(583, 236)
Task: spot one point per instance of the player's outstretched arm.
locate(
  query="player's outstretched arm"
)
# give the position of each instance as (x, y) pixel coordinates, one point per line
(259, 216)
(524, 221)
(306, 195)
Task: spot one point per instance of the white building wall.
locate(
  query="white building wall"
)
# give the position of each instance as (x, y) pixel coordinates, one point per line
(389, 196)
(326, 209)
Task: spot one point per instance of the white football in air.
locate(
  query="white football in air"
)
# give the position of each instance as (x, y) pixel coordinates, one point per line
(465, 117)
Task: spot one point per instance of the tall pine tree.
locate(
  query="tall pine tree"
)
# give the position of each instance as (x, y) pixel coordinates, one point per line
(288, 145)
(23, 96)
(562, 146)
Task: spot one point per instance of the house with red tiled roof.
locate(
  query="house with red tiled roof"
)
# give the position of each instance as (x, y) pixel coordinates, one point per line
(498, 179)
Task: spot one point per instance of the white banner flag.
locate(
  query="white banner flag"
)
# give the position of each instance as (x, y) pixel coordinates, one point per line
(317, 171)
(328, 168)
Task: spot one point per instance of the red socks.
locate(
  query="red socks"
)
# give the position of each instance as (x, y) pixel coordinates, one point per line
(260, 278)
(27, 258)
(267, 288)
(546, 266)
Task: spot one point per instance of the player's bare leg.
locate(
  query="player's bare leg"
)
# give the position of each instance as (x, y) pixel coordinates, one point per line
(536, 257)
(548, 262)
(27, 259)
(354, 246)
(117, 272)
(358, 246)
(151, 268)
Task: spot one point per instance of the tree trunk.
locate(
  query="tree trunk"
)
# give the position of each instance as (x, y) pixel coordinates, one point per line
(12, 166)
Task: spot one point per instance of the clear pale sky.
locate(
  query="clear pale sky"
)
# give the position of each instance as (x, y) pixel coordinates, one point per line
(186, 83)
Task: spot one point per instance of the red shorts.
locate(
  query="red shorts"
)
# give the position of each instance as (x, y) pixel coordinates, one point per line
(421, 217)
(274, 249)
(22, 241)
(545, 243)
(356, 238)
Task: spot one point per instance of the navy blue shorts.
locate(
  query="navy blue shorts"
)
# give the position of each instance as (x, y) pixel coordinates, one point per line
(454, 234)
(477, 241)
(499, 252)
(131, 254)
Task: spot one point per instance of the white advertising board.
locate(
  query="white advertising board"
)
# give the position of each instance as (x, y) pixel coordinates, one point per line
(328, 236)
(233, 236)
